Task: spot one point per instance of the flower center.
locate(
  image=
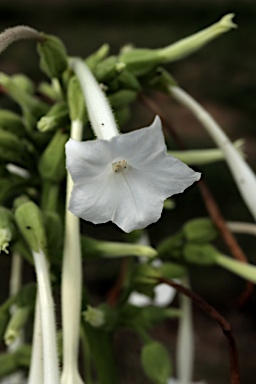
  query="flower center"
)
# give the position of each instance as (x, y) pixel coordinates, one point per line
(119, 166)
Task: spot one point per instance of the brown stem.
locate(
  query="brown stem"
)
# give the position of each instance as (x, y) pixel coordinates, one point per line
(216, 316)
(115, 291)
(208, 199)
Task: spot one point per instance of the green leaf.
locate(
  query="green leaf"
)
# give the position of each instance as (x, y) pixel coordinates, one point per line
(156, 362)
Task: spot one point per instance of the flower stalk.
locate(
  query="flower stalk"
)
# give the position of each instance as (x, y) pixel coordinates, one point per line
(241, 171)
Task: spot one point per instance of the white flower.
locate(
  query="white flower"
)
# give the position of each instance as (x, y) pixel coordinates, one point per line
(125, 179)
(164, 295)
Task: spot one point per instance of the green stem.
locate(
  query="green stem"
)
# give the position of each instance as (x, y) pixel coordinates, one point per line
(100, 344)
(50, 195)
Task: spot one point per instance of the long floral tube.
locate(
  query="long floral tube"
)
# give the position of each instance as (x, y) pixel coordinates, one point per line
(50, 356)
(205, 156)
(71, 285)
(242, 173)
(240, 227)
(36, 374)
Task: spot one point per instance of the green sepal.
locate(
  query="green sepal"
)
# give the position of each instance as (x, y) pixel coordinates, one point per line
(127, 80)
(12, 148)
(53, 56)
(4, 319)
(140, 61)
(96, 57)
(108, 69)
(156, 362)
(29, 219)
(77, 110)
(200, 230)
(56, 117)
(12, 122)
(32, 108)
(201, 254)
(122, 98)
(171, 270)
(171, 247)
(51, 164)
(24, 83)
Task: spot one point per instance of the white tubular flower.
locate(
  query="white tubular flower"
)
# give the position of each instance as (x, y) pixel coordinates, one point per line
(121, 178)
(164, 295)
(243, 175)
(175, 381)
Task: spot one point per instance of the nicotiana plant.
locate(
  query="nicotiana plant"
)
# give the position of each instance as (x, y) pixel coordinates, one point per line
(52, 175)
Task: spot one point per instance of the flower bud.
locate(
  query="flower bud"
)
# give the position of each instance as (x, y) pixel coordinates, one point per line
(30, 222)
(96, 57)
(127, 80)
(51, 164)
(200, 230)
(107, 69)
(94, 316)
(32, 108)
(12, 122)
(93, 249)
(156, 362)
(15, 325)
(12, 148)
(201, 254)
(7, 228)
(142, 61)
(171, 247)
(56, 117)
(24, 82)
(76, 100)
(53, 56)
(122, 98)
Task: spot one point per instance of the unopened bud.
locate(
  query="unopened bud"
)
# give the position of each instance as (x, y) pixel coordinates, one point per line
(7, 228)
(96, 57)
(56, 117)
(94, 316)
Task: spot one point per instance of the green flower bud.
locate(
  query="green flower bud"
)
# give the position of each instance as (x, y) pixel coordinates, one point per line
(7, 228)
(122, 98)
(32, 108)
(56, 117)
(122, 115)
(142, 61)
(12, 186)
(76, 100)
(53, 56)
(96, 57)
(12, 148)
(30, 222)
(24, 82)
(16, 324)
(8, 364)
(51, 164)
(156, 362)
(107, 69)
(94, 316)
(146, 274)
(93, 249)
(127, 80)
(171, 247)
(200, 230)
(202, 254)
(12, 122)
(190, 44)
(171, 270)
(48, 91)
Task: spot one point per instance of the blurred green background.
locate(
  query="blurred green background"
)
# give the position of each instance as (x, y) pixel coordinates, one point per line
(222, 77)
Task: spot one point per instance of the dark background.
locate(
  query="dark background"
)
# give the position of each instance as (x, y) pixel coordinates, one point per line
(222, 77)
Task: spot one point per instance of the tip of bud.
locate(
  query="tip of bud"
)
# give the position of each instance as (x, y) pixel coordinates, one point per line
(227, 21)
(5, 238)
